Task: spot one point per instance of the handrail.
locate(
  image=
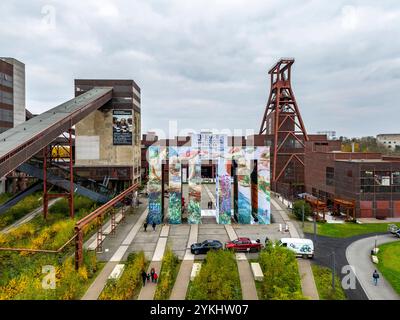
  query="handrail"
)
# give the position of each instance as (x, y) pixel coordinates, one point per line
(101, 210)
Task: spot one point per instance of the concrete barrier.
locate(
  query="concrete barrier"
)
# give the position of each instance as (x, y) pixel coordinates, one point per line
(257, 272)
(117, 271)
(195, 270)
(374, 259)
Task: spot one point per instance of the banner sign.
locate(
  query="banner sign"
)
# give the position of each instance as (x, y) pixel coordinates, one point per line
(211, 146)
(122, 127)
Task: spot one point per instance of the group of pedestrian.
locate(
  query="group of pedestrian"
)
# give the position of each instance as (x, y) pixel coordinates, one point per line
(147, 276)
(210, 204)
(153, 225)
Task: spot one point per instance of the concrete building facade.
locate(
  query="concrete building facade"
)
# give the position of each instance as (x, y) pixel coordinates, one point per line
(389, 140)
(12, 93)
(107, 142)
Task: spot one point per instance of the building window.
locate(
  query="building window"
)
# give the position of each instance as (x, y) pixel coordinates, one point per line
(330, 176)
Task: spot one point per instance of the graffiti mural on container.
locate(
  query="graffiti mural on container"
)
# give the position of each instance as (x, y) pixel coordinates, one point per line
(224, 192)
(263, 184)
(154, 185)
(194, 205)
(175, 187)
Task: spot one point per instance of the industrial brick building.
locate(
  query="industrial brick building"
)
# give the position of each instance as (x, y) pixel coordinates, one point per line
(107, 142)
(370, 180)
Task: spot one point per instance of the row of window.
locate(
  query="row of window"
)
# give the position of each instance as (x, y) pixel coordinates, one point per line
(6, 97)
(6, 115)
(6, 80)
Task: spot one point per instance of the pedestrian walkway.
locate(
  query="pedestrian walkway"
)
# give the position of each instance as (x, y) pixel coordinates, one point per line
(98, 284)
(358, 256)
(183, 278)
(148, 291)
(308, 286)
(249, 291)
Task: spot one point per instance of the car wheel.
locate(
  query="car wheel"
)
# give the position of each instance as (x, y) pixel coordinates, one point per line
(304, 256)
(196, 252)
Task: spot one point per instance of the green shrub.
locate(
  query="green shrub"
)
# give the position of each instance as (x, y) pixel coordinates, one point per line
(281, 274)
(26, 282)
(81, 204)
(21, 209)
(168, 273)
(218, 278)
(298, 209)
(323, 281)
(5, 197)
(130, 281)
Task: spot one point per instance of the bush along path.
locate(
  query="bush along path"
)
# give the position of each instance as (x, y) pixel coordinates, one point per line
(218, 278)
(129, 284)
(169, 270)
(281, 275)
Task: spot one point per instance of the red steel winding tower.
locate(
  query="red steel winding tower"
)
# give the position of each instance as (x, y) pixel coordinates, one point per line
(285, 131)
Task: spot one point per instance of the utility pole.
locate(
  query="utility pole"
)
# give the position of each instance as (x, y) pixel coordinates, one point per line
(315, 228)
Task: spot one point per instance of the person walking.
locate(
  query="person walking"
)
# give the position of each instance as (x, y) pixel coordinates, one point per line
(148, 277)
(145, 226)
(152, 272)
(375, 277)
(155, 277)
(154, 226)
(144, 277)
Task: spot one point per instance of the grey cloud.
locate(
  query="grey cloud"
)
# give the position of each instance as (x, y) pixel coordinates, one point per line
(205, 63)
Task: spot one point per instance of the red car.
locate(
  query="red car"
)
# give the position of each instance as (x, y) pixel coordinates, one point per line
(244, 244)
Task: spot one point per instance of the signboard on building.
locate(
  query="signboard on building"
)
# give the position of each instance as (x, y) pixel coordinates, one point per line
(122, 127)
(210, 146)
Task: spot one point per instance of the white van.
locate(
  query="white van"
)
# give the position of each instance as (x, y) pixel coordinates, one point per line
(302, 247)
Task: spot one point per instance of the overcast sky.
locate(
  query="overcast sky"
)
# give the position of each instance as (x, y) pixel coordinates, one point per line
(204, 63)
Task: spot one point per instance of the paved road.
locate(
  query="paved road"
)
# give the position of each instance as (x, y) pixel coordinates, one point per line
(324, 246)
(358, 255)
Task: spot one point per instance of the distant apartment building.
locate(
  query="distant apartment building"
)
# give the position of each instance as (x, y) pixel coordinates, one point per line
(12, 93)
(107, 142)
(389, 140)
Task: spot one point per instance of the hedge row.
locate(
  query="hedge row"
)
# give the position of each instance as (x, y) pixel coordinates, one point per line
(281, 274)
(169, 271)
(218, 278)
(130, 282)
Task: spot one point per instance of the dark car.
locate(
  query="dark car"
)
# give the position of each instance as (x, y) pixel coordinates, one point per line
(205, 246)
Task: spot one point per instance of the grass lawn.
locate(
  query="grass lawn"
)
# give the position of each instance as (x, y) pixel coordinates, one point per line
(323, 280)
(389, 263)
(345, 230)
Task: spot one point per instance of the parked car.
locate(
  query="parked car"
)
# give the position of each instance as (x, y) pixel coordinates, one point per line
(302, 247)
(393, 229)
(244, 245)
(397, 234)
(205, 246)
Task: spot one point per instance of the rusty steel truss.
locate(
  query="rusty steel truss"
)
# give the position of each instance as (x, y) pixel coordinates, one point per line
(284, 128)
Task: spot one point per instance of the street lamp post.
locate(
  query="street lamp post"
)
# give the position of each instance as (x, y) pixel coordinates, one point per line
(333, 270)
